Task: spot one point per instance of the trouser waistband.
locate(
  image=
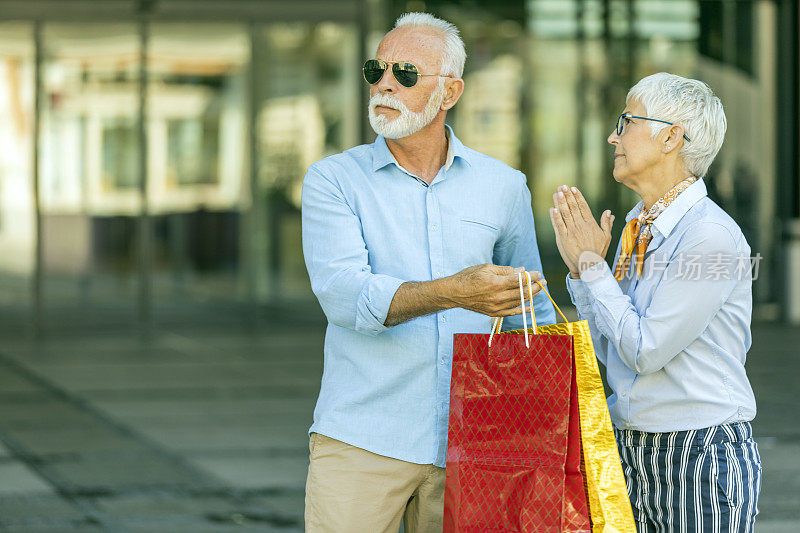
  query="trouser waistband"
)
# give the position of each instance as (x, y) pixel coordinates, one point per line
(739, 431)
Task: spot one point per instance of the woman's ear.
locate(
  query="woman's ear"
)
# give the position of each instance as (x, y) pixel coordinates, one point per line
(673, 138)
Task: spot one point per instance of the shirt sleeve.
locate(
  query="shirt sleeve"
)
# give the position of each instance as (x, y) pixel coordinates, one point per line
(336, 256)
(683, 303)
(582, 300)
(518, 247)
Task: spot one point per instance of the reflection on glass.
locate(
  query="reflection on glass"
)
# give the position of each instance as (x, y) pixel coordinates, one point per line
(88, 167)
(489, 114)
(308, 106)
(120, 164)
(197, 151)
(544, 84)
(17, 217)
(193, 144)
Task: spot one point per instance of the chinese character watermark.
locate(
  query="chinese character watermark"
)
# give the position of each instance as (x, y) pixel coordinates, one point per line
(684, 267)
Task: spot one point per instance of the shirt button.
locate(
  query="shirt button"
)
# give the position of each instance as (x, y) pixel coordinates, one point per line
(439, 273)
(442, 360)
(444, 319)
(434, 227)
(624, 394)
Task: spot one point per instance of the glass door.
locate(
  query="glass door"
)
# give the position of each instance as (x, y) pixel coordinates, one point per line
(89, 176)
(307, 106)
(197, 153)
(17, 210)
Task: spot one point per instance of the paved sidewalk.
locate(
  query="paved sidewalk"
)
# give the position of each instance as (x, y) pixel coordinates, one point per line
(205, 430)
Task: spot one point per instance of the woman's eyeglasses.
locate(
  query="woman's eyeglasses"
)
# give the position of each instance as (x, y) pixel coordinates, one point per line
(624, 118)
(407, 74)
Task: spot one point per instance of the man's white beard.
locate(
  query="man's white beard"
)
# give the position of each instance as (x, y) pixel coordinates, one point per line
(408, 122)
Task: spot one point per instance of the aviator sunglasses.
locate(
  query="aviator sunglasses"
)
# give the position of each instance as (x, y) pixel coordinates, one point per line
(407, 74)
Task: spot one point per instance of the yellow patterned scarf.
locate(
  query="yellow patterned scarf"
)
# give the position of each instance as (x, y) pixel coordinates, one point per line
(637, 233)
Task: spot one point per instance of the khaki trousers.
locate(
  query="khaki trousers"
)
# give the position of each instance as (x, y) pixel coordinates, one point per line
(350, 490)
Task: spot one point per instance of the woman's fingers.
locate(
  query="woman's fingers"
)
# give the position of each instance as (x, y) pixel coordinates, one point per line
(558, 223)
(560, 230)
(559, 244)
(563, 209)
(573, 205)
(607, 222)
(583, 205)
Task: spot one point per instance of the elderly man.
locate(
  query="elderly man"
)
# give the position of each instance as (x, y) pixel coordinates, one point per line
(405, 241)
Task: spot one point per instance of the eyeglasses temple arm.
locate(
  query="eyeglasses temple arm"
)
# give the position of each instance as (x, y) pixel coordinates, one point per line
(656, 120)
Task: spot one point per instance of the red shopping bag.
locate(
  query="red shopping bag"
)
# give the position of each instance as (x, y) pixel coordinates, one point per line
(575, 506)
(514, 446)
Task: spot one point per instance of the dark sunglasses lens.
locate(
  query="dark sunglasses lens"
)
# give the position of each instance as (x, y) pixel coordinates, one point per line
(373, 71)
(406, 74)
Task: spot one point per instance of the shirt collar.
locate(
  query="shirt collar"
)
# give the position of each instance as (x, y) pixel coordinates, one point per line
(381, 156)
(669, 218)
(633, 213)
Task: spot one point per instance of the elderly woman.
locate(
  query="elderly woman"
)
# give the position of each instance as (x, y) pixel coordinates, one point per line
(671, 320)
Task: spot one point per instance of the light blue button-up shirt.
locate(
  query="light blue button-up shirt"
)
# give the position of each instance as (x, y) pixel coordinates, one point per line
(675, 341)
(368, 227)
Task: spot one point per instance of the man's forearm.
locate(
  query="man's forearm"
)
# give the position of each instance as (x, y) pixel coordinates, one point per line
(419, 298)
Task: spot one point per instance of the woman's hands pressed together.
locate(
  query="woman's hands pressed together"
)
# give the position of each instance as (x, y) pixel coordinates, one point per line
(581, 241)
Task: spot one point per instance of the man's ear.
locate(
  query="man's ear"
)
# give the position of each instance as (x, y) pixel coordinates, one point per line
(453, 88)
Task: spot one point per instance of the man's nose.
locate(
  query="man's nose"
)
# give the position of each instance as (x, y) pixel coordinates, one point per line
(387, 83)
(613, 138)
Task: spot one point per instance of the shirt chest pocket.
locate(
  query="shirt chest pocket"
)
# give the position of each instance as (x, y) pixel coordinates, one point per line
(478, 238)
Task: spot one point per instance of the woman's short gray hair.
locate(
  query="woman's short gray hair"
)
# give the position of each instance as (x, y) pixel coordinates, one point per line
(693, 105)
(454, 55)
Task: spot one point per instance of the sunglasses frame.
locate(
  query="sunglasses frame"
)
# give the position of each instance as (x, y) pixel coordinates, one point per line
(620, 125)
(396, 70)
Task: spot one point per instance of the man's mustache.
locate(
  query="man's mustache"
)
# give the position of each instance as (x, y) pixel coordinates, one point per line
(386, 101)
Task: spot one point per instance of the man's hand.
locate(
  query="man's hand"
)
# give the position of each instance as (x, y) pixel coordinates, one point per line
(577, 232)
(490, 289)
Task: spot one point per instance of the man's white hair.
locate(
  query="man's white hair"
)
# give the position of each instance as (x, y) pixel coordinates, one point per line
(693, 105)
(454, 55)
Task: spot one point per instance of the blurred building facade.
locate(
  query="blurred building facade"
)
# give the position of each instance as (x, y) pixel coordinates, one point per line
(152, 151)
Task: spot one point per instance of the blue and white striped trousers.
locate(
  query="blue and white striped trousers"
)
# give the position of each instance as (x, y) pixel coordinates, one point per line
(704, 480)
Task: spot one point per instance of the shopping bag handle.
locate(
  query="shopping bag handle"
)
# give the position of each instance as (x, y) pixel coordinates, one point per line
(497, 323)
